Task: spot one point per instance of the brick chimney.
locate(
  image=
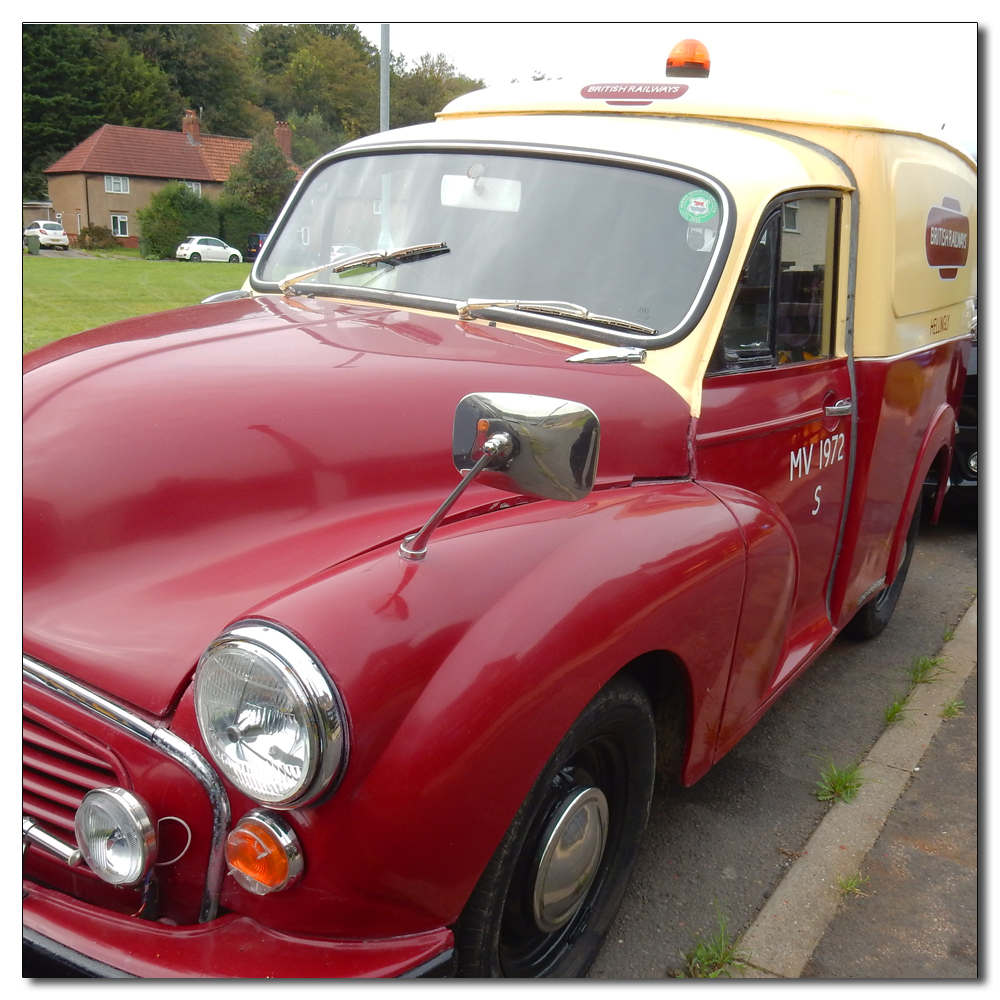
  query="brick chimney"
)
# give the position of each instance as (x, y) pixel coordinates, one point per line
(191, 127)
(283, 137)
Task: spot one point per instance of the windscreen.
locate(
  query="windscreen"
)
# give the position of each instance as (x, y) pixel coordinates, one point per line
(621, 242)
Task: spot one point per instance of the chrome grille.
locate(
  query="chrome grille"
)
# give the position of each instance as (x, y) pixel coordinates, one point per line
(56, 772)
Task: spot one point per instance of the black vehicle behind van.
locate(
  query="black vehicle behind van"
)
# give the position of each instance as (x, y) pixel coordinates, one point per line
(254, 242)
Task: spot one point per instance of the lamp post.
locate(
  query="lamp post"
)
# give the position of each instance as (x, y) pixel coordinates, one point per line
(383, 123)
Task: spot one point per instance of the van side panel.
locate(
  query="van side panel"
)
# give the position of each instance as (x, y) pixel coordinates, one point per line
(898, 403)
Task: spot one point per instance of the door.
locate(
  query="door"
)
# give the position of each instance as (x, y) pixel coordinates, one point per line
(213, 249)
(776, 422)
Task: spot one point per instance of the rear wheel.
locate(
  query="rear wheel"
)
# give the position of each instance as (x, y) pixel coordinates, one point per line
(548, 896)
(195, 257)
(875, 615)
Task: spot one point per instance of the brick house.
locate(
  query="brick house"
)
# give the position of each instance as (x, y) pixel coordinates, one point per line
(114, 172)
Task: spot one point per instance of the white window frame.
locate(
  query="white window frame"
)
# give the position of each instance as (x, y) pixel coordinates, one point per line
(119, 226)
(194, 186)
(790, 217)
(115, 184)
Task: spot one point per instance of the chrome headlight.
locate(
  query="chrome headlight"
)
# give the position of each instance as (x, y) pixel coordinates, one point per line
(271, 718)
(115, 835)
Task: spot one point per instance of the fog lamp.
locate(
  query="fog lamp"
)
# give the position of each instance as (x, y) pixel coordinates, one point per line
(116, 835)
(263, 853)
(974, 462)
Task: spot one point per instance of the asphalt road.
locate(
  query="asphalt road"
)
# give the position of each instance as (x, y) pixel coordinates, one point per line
(728, 840)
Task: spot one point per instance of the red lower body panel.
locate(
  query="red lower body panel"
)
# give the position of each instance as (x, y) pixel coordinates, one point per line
(227, 948)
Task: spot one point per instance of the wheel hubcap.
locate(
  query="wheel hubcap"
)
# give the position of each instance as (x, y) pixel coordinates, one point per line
(574, 845)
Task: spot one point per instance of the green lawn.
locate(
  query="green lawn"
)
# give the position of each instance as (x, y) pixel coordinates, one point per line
(64, 295)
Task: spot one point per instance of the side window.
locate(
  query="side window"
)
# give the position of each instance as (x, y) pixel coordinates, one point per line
(782, 312)
(746, 333)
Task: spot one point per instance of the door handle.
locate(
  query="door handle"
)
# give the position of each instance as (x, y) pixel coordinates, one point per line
(842, 408)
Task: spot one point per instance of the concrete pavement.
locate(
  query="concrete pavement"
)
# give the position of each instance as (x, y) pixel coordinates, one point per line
(912, 833)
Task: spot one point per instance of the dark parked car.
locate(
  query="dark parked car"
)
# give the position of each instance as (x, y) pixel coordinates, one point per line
(254, 242)
(965, 464)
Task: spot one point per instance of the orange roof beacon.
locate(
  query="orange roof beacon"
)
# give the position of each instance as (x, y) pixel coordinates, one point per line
(358, 600)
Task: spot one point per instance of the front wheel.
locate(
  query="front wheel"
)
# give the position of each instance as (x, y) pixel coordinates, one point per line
(546, 900)
(233, 259)
(873, 617)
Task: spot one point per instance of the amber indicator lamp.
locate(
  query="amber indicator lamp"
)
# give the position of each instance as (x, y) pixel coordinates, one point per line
(689, 58)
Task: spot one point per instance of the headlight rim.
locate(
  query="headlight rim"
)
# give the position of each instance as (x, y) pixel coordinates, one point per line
(135, 809)
(327, 716)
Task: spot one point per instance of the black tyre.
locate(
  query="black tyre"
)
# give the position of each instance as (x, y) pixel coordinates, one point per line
(233, 259)
(195, 258)
(546, 900)
(873, 617)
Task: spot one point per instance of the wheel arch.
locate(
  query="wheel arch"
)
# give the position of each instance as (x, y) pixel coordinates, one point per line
(667, 683)
(935, 448)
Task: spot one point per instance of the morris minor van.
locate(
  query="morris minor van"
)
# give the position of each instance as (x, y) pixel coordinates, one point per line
(546, 445)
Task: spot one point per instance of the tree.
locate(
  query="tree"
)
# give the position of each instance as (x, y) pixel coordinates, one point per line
(415, 95)
(174, 212)
(321, 78)
(76, 79)
(237, 220)
(134, 91)
(262, 179)
(61, 96)
(208, 65)
(312, 137)
(331, 77)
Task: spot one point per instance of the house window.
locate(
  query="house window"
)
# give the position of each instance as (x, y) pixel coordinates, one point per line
(115, 185)
(791, 217)
(194, 186)
(119, 225)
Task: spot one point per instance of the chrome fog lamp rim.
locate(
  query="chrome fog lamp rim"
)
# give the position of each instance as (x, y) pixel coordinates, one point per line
(974, 462)
(116, 835)
(315, 697)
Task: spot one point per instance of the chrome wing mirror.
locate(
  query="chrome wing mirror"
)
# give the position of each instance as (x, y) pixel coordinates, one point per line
(534, 445)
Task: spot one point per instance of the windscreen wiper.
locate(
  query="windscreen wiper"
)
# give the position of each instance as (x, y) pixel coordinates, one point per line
(567, 310)
(398, 255)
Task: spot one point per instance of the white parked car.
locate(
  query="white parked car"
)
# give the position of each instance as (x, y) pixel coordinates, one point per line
(50, 234)
(207, 248)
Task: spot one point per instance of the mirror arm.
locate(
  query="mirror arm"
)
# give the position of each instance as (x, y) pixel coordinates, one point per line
(415, 546)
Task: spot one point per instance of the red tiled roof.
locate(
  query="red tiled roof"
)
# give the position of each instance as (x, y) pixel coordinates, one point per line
(146, 152)
(221, 153)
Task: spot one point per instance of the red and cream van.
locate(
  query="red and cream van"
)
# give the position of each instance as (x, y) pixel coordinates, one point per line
(546, 445)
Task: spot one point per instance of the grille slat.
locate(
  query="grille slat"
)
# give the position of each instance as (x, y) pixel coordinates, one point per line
(64, 770)
(40, 736)
(52, 791)
(56, 773)
(49, 814)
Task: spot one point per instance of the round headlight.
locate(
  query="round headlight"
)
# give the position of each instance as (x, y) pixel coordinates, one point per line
(115, 835)
(269, 715)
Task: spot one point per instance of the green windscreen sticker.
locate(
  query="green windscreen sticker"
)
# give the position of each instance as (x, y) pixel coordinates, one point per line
(698, 206)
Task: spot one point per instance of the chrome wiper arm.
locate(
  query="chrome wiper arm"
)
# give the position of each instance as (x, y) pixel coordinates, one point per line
(398, 255)
(567, 310)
